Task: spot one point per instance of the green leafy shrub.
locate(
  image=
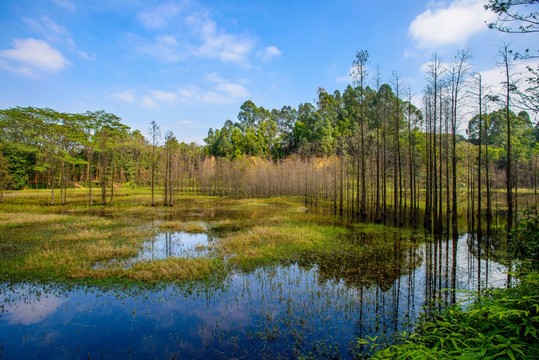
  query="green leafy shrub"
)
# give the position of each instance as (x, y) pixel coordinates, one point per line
(524, 243)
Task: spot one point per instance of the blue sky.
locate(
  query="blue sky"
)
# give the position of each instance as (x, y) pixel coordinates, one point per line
(189, 65)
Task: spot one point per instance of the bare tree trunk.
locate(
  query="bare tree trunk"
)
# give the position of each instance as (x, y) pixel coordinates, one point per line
(508, 173)
(52, 183)
(112, 181)
(479, 210)
(440, 198)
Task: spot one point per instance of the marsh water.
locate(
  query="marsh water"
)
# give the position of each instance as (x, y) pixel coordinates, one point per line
(311, 306)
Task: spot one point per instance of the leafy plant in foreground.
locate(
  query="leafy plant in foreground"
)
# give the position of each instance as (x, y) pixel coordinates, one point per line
(499, 324)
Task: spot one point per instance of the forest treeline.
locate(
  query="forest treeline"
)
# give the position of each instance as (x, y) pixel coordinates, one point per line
(365, 153)
(370, 152)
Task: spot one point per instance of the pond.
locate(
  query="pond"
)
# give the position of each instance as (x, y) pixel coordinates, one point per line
(313, 306)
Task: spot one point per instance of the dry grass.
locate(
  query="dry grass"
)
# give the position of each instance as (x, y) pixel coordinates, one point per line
(134, 232)
(87, 234)
(188, 227)
(174, 269)
(91, 221)
(22, 218)
(103, 250)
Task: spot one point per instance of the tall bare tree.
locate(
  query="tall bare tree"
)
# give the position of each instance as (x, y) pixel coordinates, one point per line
(359, 74)
(155, 134)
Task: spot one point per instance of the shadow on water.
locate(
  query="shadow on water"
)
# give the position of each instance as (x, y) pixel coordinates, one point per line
(317, 305)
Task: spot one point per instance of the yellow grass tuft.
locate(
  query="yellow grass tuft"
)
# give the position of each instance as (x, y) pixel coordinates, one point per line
(87, 234)
(173, 269)
(91, 221)
(20, 218)
(189, 227)
(104, 250)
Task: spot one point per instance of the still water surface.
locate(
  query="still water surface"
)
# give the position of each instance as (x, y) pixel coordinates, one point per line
(281, 311)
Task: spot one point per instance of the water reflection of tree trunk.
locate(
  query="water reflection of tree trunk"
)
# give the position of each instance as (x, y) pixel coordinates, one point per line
(446, 284)
(399, 262)
(168, 243)
(435, 263)
(454, 267)
(479, 262)
(440, 261)
(429, 275)
(360, 321)
(411, 283)
(488, 252)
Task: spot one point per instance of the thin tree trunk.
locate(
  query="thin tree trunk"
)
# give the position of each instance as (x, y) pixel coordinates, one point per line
(88, 179)
(479, 212)
(508, 174)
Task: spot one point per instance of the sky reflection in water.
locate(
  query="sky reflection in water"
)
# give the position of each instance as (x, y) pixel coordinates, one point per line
(272, 312)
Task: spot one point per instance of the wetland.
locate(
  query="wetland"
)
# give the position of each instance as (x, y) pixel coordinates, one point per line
(219, 278)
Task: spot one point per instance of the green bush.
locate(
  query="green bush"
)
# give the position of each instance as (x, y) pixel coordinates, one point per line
(524, 242)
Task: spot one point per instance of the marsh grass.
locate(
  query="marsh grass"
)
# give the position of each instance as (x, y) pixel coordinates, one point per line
(174, 269)
(264, 244)
(87, 234)
(188, 227)
(74, 241)
(17, 219)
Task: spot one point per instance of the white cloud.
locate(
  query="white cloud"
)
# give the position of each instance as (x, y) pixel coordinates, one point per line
(125, 95)
(215, 77)
(87, 55)
(160, 15)
(269, 53)
(186, 122)
(189, 94)
(164, 95)
(22, 70)
(346, 79)
(217, 43)
(45, 26)
(149, 103)
(225, 93)
(33, 311)
(54, 32)
(443, 24)
(184, 32)
(213, 97)
(52, 26)
(495, 77)
(233, 90)
(31, 54)
(66, 4)
(82, 54)
(428, 66)
(164, 47)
